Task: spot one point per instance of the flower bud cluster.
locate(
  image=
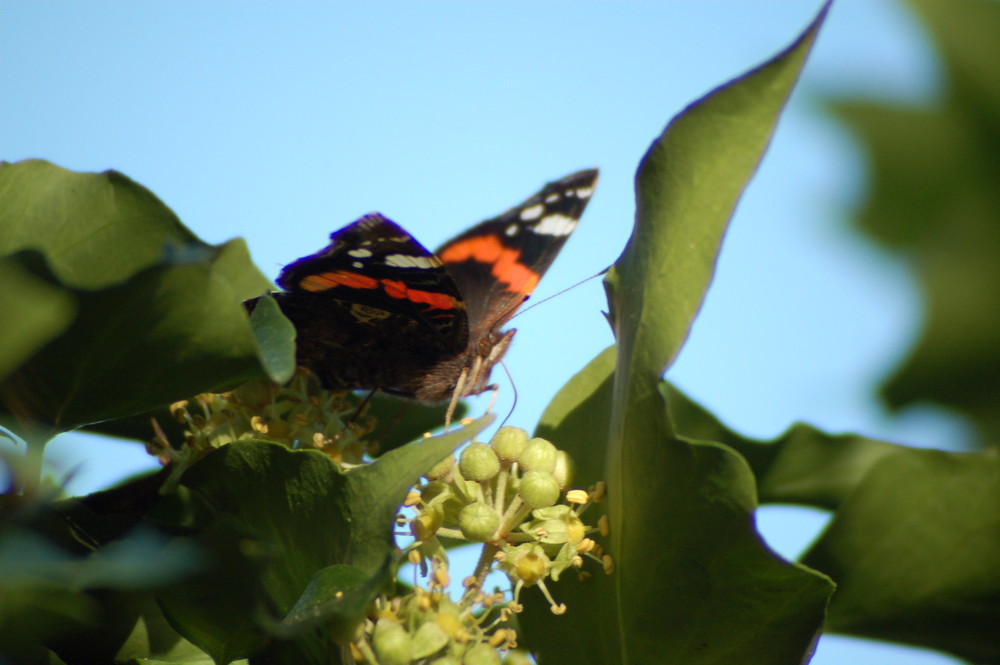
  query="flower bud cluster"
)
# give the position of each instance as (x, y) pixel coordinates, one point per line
(428, 627)
(507, 495)
(298, 415)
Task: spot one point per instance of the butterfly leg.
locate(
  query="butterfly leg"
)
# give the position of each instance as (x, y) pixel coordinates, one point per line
(455, 396)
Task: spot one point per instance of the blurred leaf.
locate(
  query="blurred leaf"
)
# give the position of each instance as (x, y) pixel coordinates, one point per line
(27, 559)
(34, 313)
(915, 552)
(131, 629)
(399, 420)
(935, 200)
(680, 513)
(280, 517)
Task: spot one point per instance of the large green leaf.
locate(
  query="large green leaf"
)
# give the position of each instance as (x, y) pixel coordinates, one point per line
(158, 311)
(278, 520)
(915, 553)
(934, 199)
(681, 512)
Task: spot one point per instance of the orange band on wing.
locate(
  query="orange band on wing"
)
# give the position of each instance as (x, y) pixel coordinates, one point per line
(394, 289)
(434, 299)
(505, 263)
(325, 281)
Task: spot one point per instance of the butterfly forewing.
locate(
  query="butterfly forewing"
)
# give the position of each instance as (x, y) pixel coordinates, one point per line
(498, 263)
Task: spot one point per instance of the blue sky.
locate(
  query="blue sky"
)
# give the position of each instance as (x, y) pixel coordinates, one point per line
(281, 122)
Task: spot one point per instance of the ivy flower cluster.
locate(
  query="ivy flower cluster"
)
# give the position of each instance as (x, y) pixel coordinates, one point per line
(300, 415)
(513, 496)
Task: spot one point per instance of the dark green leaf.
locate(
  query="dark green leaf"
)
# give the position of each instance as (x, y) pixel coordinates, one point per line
(95, 229)
(915, 553)
(280, 517)
(158, 311)
(802, 466)
(693, 583)
(337, 596)
(934, 199)
(184, 322)
(34, 313)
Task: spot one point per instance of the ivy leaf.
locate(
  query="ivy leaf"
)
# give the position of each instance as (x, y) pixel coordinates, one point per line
(934, 200)
(915, 553)
(681, 520)
(278, 518)
(158, 313)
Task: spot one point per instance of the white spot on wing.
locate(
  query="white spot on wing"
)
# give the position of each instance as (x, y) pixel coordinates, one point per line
(360, 253)
(552, 198)
(358, 264)
(532, 212)
(585, 192)
(555, 225)
(410, 261)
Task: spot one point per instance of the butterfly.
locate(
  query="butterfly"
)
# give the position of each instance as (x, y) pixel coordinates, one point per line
(375, 309)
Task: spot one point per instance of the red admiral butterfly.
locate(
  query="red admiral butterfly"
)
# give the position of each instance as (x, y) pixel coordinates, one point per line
(376, 310)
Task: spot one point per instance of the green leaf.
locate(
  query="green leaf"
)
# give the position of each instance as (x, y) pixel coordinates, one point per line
(280, 517)
(337, 597)
(705, 573)
(184, 322)
(915, 552)
(96, 229)
(145, 289)
(802, 466)
(693, 583)
(934, 200)
(275, 339)
(34, 313)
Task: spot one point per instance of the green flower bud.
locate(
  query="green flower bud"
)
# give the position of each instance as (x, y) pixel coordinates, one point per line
(447, 660)
(478, 522)
(479, 462)
(508, 443)
(539, 489)
(563, 470)
(441, 469)
(481, 654)
(392, 643)
(429, 639)
(538, 454)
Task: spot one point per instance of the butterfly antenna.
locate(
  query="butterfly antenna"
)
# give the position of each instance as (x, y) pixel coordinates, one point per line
(513, 388)
(559, 293)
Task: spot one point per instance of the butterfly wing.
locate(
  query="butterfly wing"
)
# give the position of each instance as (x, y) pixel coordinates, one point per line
(373, 308)
(498, 263)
